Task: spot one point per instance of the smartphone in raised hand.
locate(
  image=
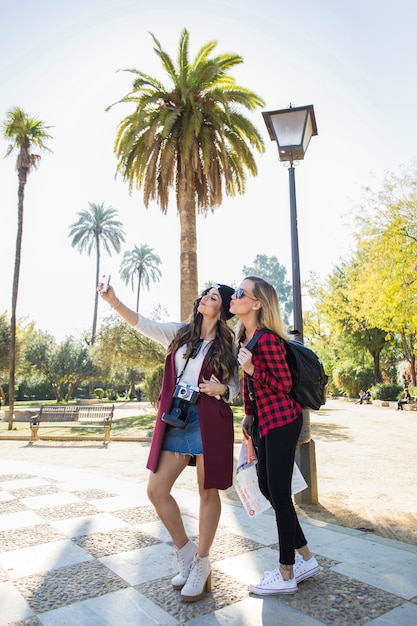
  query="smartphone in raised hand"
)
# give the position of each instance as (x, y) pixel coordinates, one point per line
(105, 282)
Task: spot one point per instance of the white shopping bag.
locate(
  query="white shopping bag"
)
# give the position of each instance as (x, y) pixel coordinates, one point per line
(246, 481)
(297, 483)
(247, 488)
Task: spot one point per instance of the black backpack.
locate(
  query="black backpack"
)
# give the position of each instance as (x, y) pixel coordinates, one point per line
(309, 380)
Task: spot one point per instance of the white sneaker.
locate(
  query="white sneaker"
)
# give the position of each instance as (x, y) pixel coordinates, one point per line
(304, 569)
(273, 583)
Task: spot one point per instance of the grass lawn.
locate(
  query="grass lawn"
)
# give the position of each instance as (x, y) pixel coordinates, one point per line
(134, 426)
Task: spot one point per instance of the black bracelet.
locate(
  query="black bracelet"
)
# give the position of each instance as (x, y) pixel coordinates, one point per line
(226, 394)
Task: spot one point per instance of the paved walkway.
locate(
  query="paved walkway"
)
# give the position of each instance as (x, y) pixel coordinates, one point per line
(80, 546)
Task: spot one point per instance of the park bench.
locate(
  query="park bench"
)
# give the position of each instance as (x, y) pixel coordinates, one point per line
(97, 416)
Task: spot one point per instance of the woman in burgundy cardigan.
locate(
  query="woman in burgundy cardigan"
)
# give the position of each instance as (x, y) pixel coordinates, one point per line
(194, 423)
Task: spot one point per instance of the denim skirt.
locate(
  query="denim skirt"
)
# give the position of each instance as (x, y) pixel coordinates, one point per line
(185, 440)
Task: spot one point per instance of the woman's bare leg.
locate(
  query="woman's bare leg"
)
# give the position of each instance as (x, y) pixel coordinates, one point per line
(159, 493)
(210, 509)
(305, 553)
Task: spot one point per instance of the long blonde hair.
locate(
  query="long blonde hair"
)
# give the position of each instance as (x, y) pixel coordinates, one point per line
(269, 313)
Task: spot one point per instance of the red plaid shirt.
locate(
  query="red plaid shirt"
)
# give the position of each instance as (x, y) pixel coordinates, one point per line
(271, 380)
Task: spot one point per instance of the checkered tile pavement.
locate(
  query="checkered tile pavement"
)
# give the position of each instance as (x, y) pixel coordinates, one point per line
(77, 547)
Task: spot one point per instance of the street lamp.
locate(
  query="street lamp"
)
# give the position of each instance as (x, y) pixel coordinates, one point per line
(292, 129)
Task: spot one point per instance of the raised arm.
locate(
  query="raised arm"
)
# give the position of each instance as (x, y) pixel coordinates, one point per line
(109, 296)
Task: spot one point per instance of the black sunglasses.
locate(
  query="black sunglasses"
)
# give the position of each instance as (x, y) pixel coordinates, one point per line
(240, 293)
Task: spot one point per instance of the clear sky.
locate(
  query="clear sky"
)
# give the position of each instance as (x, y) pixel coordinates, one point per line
(353, 60)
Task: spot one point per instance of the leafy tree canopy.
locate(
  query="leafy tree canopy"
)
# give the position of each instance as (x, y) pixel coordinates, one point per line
(97, 227)
(64, 365)
(189, 136)
(26, 134)
(383, 278)
(271, 270)
(133, 349)
(142, 265)
(4, 343)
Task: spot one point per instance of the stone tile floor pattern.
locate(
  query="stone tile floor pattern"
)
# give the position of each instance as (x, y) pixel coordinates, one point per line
(103, 557)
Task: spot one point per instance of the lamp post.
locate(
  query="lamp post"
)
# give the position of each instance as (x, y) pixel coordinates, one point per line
(292, 129)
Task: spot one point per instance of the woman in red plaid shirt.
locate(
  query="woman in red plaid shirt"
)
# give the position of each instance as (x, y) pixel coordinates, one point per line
(279, 422)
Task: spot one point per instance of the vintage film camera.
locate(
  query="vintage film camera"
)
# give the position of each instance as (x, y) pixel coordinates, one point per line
(184, 396)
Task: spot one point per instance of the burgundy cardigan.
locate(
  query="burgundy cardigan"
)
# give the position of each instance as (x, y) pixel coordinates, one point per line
(216, 426)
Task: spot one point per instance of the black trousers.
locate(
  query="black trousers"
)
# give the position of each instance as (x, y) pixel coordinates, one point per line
(276, 452)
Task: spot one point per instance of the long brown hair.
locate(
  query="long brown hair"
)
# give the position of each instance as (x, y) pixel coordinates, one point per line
(223, 356)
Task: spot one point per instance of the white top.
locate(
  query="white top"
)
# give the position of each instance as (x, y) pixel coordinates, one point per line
(164, 333)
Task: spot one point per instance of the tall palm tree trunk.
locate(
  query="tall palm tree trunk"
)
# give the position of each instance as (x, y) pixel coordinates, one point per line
(95, 314)
(188, 249)
(140, 273)
(12, 368)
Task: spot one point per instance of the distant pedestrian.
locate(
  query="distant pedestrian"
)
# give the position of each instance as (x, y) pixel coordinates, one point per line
(361, 397)
(364, 396)
(2, 396)
(405, 400)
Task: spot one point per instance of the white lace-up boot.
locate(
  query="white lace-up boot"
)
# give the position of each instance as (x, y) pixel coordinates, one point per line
(185, 556)
(198, 581)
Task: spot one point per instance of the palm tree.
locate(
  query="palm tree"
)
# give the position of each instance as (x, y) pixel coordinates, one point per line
(24, 133)
(191, 137)
(97, 226)
(141, 261)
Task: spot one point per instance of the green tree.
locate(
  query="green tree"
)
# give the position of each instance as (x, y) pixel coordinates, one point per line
(190, 136)
(350, 334)
(269, 268)
(4, 343)
(153, 384)
(140, 264)
(64, 365)
(353, 323)
(97, 227)
(383, 279)
(24, 335)
(315, 324)
(133, 349)
(134, 376)
(25, 134)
